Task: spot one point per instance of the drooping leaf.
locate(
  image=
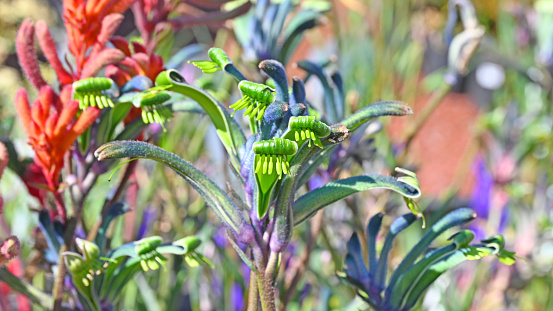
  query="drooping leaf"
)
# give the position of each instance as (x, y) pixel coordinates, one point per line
(379, 109)
(331, 111)
(292, 33)
(217, 199)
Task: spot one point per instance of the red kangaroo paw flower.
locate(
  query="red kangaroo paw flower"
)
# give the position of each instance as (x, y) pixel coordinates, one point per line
(104, 58)
(48, 46)
(27, 55)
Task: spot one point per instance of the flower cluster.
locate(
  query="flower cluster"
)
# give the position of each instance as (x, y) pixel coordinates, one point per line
(52, 129)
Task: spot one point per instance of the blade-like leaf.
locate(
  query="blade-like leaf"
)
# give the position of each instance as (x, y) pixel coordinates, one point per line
(397, 226)
(52, 239)
(302, 21)
(34, 294)
(431, 274)
(330, 105)
(115, 210)
(411, 276)
(217, 199)
(372, 233)
(310, 203)
(452, 219)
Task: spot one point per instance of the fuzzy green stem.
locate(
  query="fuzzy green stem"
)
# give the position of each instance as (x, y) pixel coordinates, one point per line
(253, 296)
(266, 292)
(272, 264)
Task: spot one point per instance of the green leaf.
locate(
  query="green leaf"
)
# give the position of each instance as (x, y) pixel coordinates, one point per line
(397, 226)
(115, 210)
(411, 276)
(313, 201)
(332, 112)
(452, 219)
(431, 274)
(506, 257)
(379, 109)
(118, 113)
(411, 179)
(300, 22)
(228, 130)
(217, 199)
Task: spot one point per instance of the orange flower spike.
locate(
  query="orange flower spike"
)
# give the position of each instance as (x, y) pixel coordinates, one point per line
(51, 124)
(65, 95)
(38, 114)
(104, 58)
(25, 46)
(48, 46)
(67, 115)
(23, 109)
(86, 119)
(47, 99)
(83, 21)
(109, 26)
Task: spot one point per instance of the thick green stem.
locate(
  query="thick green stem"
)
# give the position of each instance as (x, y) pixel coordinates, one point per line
(266, 292)
(272, 264)
(253, 295)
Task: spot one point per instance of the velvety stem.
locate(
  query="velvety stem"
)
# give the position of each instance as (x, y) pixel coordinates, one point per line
(253, 295)
(295, 272)
(266, 292)
(272, 263)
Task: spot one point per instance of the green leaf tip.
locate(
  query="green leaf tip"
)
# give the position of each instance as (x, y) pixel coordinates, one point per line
(411, 180)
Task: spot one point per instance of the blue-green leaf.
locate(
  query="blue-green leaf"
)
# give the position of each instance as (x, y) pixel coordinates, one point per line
(310, 203)
(452, 219)
(115, 210)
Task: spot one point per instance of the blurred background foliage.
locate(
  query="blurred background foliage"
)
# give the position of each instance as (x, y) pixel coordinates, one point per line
(487, 145)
